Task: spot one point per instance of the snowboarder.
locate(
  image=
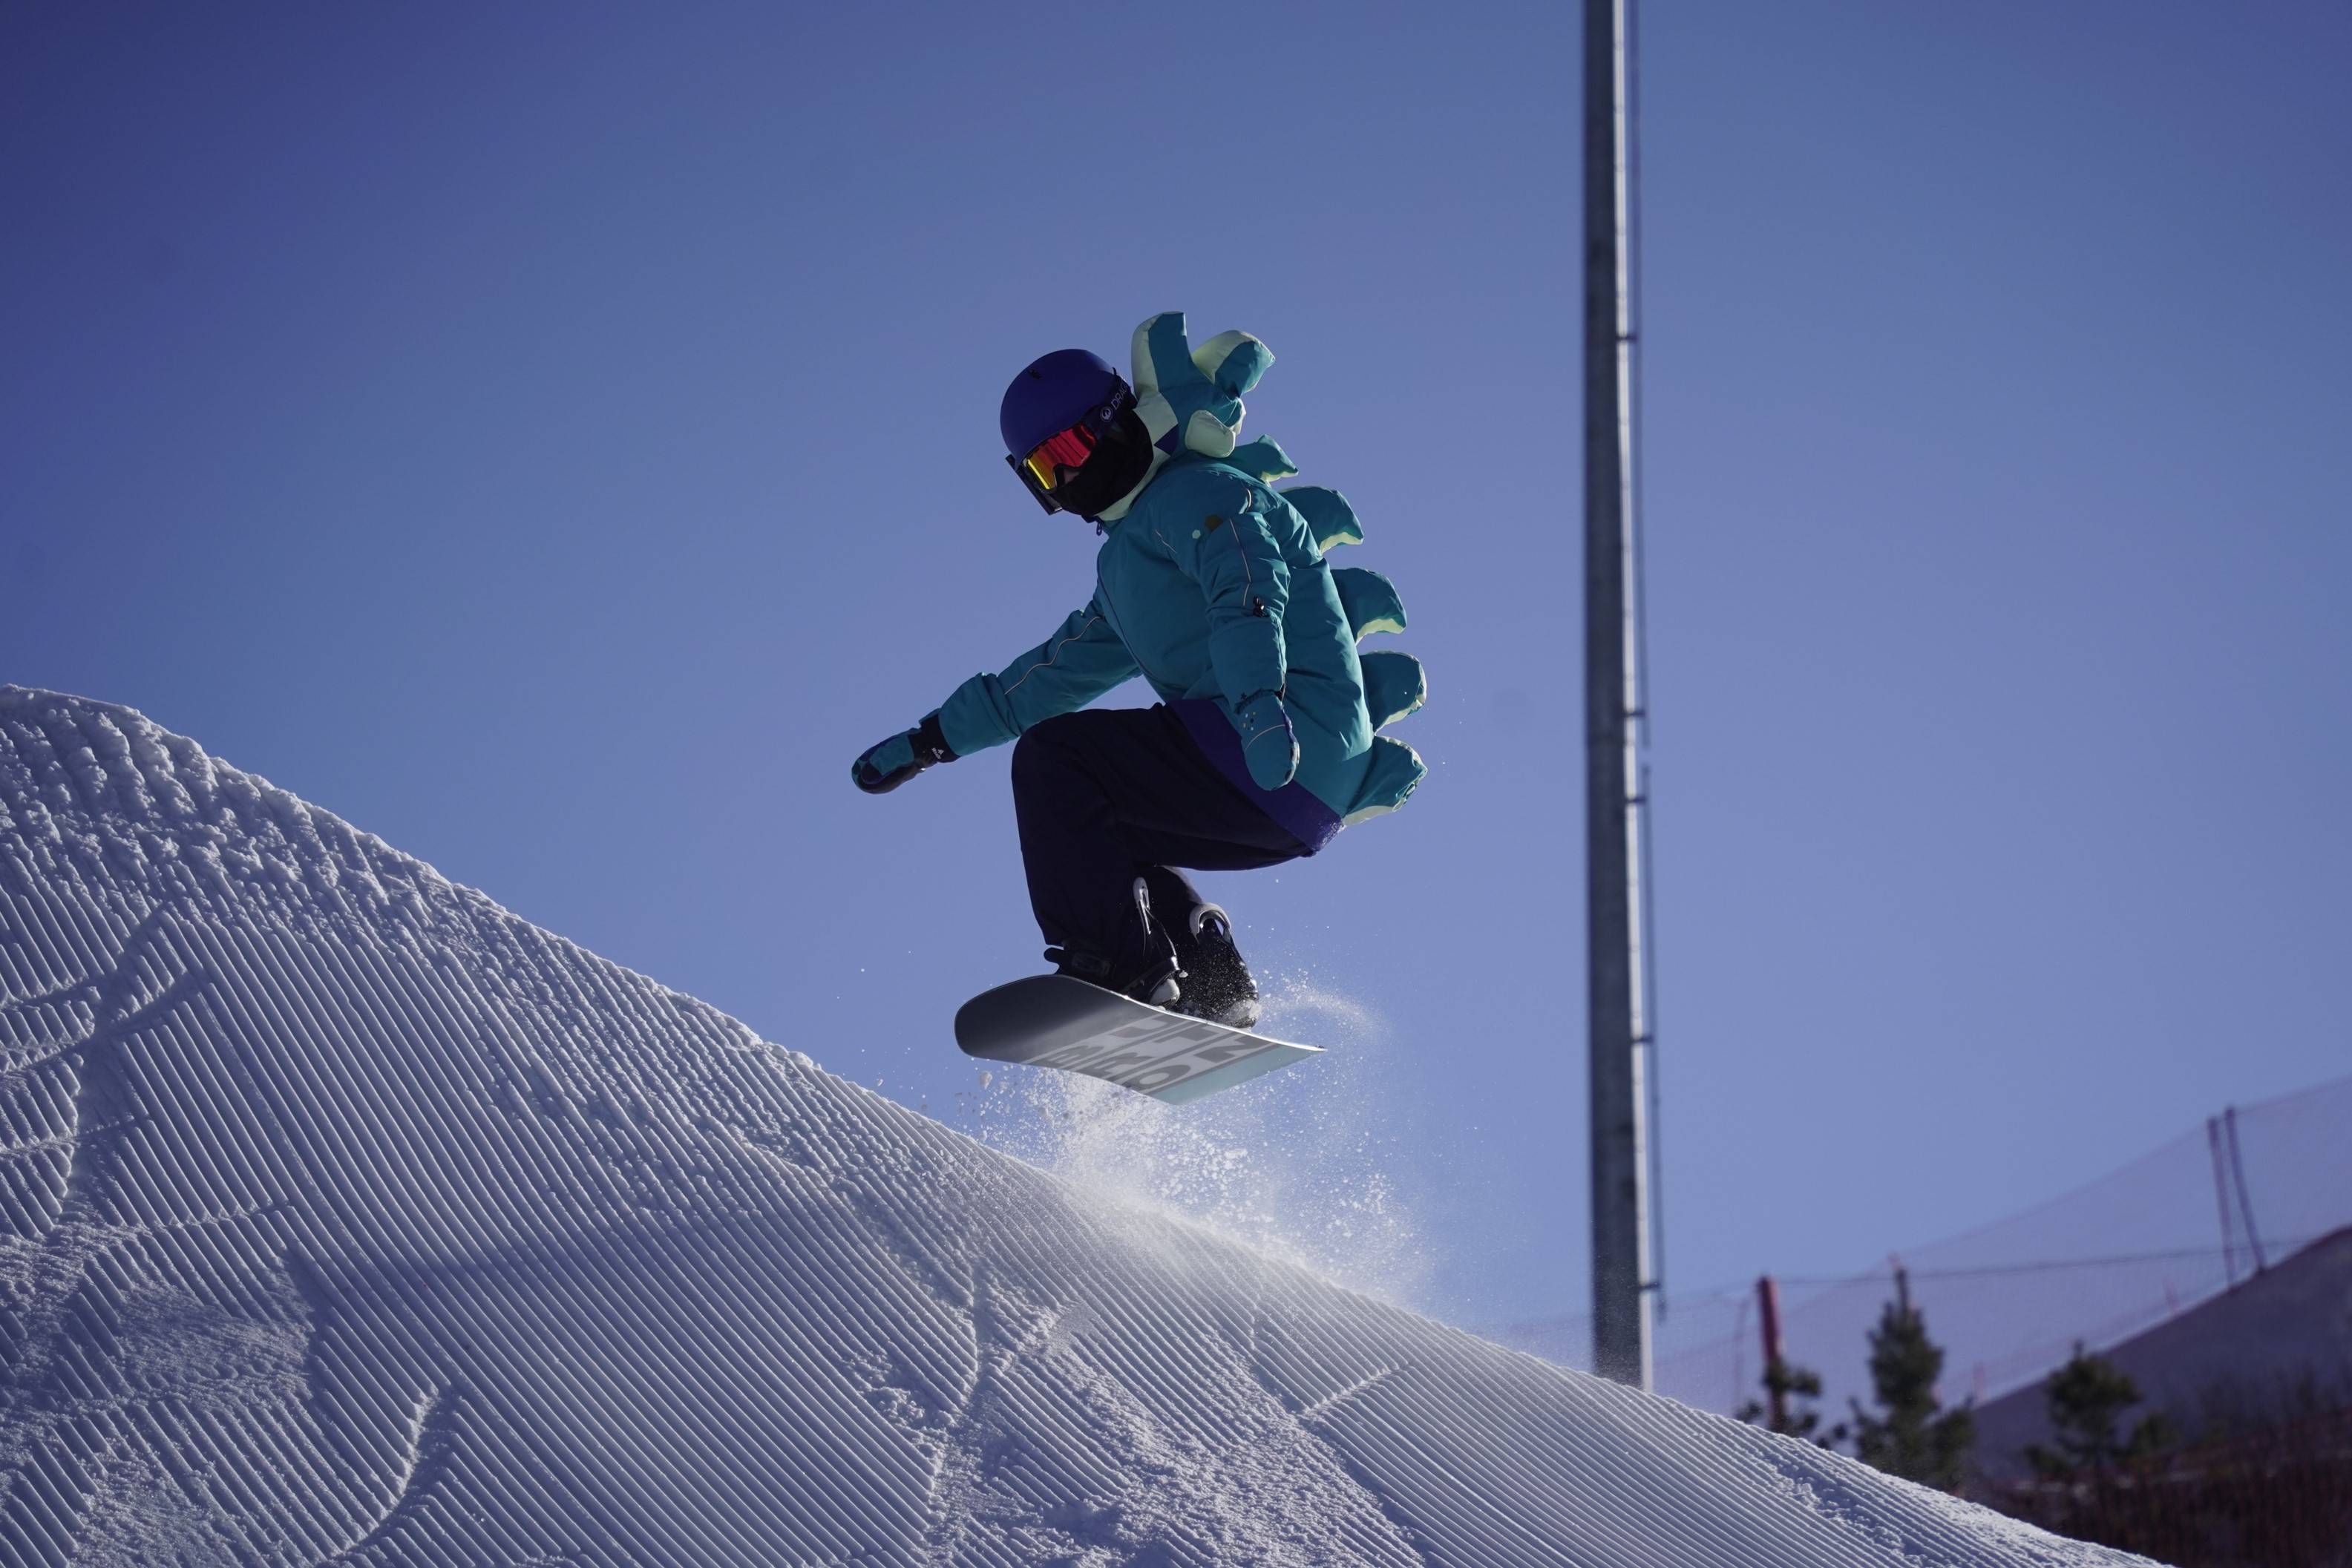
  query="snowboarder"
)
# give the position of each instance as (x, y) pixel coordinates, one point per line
(1213, 586)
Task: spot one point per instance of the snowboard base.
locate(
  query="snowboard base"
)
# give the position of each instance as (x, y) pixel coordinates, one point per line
(1053, 1020)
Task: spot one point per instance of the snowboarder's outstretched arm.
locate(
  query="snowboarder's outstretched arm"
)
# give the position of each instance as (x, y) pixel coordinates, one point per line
(1081, 660)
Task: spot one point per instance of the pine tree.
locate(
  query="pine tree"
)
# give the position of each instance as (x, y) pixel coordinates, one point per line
(1915, 1438)
(1790, 1390)
(2085, 1399)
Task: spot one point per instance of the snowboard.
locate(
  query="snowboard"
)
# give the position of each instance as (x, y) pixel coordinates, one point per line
(1053, 1020)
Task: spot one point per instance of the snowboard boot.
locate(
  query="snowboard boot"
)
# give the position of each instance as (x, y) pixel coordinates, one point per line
(1217, 985)
(1150, 978)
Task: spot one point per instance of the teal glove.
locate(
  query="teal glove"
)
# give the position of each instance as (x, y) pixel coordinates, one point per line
(1269, 744)
(882, 769)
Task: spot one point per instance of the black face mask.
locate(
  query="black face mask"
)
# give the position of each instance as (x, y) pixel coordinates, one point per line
(1121, 457)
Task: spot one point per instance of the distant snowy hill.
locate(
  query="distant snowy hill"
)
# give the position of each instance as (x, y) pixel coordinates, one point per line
(347, 1219)
(2249, 1349)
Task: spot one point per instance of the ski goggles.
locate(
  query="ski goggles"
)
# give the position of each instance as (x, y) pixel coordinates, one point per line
(1063, 449)
(1047, 465)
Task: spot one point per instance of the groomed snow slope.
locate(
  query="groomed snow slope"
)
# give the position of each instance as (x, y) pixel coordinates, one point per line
(347, 1219)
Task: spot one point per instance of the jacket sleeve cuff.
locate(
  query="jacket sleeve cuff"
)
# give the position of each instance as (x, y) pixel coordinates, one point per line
(931, 742)
(969, 722)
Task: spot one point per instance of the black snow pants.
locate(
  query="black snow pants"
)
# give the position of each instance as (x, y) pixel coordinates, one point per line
(1107, 795)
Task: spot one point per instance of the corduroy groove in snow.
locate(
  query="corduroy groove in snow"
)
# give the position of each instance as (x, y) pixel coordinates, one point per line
(347, 1219)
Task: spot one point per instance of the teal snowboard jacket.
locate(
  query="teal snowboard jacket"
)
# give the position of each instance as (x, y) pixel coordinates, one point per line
(1212, 585)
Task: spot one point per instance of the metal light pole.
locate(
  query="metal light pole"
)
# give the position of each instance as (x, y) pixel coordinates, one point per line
(1612, 713)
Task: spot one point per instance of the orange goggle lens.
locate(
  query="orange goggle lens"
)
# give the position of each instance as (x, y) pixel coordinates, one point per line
(1065, 449)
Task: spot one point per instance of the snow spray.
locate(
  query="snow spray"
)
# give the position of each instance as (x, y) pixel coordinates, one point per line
(1296, 1166)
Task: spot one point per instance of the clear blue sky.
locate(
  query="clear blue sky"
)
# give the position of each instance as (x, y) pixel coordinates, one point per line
(558, 438)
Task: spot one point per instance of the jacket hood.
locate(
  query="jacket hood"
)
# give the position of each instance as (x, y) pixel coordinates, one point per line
(1189, 399)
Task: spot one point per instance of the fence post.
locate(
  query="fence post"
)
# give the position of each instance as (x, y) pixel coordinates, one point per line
(1768, 1314)
(2245, 1199)
(2221, 1198)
